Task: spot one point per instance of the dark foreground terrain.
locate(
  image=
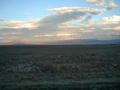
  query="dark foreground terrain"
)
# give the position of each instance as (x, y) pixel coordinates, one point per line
(58, 67)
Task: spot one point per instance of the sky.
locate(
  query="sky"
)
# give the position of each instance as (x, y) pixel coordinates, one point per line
(44, 21)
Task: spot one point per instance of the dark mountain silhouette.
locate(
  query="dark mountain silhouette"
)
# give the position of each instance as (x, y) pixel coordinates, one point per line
(86, 41)
(69, 42)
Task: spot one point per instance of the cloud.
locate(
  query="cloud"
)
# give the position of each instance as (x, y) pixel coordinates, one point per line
(117, 28)
(107, 23)
(66, 14)
(11, 33)
(1, 19)
(108, 4)
(13, 24)
(62, 15)
(77, 9)
(58, 35)
(96, 28)
(58, 26)
(111, 20)
(51, 22)
(87, 19)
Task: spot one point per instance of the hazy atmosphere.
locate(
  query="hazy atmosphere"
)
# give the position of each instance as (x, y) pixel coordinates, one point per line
(46, 21)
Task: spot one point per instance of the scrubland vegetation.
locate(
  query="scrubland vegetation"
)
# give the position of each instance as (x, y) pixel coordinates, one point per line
(59, 67)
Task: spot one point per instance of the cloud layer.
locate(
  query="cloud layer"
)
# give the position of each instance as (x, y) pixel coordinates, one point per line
(108, 4)
(59, 26)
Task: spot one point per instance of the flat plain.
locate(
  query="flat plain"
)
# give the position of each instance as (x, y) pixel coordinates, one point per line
(60, 67)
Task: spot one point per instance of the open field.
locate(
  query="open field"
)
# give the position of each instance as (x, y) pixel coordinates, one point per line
(59, 67)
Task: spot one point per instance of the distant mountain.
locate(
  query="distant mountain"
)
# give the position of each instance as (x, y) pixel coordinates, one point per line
(19, 44)
(86, 41)
(16, 43)
(68, 42)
